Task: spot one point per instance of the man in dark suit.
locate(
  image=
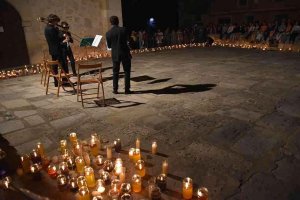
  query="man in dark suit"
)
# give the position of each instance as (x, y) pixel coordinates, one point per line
(54, 40)
(116, 39)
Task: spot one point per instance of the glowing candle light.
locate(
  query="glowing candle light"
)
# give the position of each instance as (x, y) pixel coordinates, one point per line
(40, 149)
(25, 161)
(202, 193)
(79, 164)
(90, 177)
(154, 147)
(63, 145)
(94, 145)
(122, 175)
(187, 188)
(130, 153)
(136, 155)
(118, 166)
(165, 167)
(137, 143)
(161, 182)
(136, 183)
(35, 156)
(100, 188)
(84, 193)
(140, 168)
(73, 138)
(61, 182)
(63, 167)
(77, 148)
(52, 171)
(109, 152)
(81, 181)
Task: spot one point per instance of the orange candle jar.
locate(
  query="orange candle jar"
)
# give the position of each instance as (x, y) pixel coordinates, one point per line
(136, 183)
(187, 188)
(90, 177)
(140, 168)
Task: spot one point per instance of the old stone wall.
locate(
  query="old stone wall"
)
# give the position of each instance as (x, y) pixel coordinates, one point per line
(85, 17)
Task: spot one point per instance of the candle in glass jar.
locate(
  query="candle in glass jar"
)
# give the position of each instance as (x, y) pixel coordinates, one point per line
(97, 139)
(125, 188)
(63, 146)
(81, 181)
(79, 164)
(105, 176)
(187, 188)
(35, 156)
(52, 171)
(71, 163)
(154, 148)
(35, 170)
(100, 187)
(118, 166)
(90, 177)
(136, 183)
(109, 152)
(137, 143)
(118, 146)
(73, 184)
(161, 182)
(63, 167)
(165, 166)
(73, 138)
(136, 155)
(99, 160)
(202, 193)
(77, 148)
(130, 153)
(140, 168)
(61, 182)
(25, 161)
(108, 166)
(86, 158)
(40, 149)
(84, 193)
(94, 146)
(122, 175)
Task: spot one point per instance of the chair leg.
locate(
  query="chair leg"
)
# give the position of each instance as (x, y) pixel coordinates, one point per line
(103, 94)
(78, 90)
(59, 84)
(45, 77)
(98, 90)
(81, 96)
(47, 84)
(42, 77)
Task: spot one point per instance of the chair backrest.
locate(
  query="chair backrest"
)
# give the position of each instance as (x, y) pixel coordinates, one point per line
(90, 67)
(50, 64)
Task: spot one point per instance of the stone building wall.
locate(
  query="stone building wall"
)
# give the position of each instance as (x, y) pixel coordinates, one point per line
(85, 17)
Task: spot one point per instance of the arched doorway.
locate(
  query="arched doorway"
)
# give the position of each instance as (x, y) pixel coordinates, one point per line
(13, 48)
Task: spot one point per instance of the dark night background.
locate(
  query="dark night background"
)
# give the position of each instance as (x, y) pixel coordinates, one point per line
(167, 13)
(136, 13)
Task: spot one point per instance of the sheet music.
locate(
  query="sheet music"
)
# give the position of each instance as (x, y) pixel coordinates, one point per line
(97, 40)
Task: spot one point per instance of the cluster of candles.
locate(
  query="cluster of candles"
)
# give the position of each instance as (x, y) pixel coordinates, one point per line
(34, 69)
(80, 163)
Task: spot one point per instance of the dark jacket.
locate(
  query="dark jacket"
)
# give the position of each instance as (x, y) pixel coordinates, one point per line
(63, 34)
(116, 39)
(53, 39)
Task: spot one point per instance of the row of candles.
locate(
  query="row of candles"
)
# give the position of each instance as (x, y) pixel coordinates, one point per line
(86, 180)
(34, 69)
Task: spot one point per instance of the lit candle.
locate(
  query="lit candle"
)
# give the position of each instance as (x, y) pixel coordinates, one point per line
(86, 158)
(125, 188)
(61, 182)
(118, 166)
(94, 146)
(97, 139)
(52, 171)
(84, 193)
(122, 175)
(90, 177)
(202, 193)
(100, 188)
(99, 160)
(165, 166)
(108, 166)
(63, 167)
(40, 149)
(109, 152)
(63, 146)
(187, 188)
(137, 143)
(104, 175)
(140, 168)
(161, 182)
(81, 181)
(35, 156)
(70, 162)
(36, 171)
(25, 161)
(117, 144)
(154, 148)
(136, 155)
(73, 138)
(136, 183)
(79, 164)
(73, 184)
(130, 153)
(77, 148)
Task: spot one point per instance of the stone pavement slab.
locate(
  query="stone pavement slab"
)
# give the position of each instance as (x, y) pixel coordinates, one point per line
(24, 113)
(34, 120)
(11, 104)
(12, 125)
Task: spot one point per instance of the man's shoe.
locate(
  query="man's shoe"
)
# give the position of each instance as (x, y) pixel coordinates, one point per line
(115, 92)
(128, 92)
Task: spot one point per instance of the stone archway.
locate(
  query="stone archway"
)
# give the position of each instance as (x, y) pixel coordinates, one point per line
(13, 51)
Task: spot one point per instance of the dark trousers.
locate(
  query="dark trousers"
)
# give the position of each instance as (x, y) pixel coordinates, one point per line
(55, 67)
(126, 62)
(67, 53)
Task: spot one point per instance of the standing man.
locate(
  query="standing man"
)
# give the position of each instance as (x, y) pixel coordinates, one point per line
(116, 39)
(54, 42)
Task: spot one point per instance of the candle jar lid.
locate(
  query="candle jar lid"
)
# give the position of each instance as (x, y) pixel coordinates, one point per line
(108, 165)
(125, 188)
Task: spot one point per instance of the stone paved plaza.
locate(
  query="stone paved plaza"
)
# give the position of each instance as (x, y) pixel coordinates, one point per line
(228, 118)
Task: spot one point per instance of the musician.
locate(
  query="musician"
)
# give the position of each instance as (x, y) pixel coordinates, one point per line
(54, 41)
(66, 47)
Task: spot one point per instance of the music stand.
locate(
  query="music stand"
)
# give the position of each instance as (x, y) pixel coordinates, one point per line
(86, 42)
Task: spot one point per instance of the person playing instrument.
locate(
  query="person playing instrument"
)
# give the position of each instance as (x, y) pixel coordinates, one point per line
(66, 47)
(54, 40)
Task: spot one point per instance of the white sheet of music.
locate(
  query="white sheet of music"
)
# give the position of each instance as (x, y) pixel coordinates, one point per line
(97, 40)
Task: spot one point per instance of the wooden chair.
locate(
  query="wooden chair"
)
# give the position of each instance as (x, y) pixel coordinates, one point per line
(89, 79)
(43, 73)
(61, 77)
